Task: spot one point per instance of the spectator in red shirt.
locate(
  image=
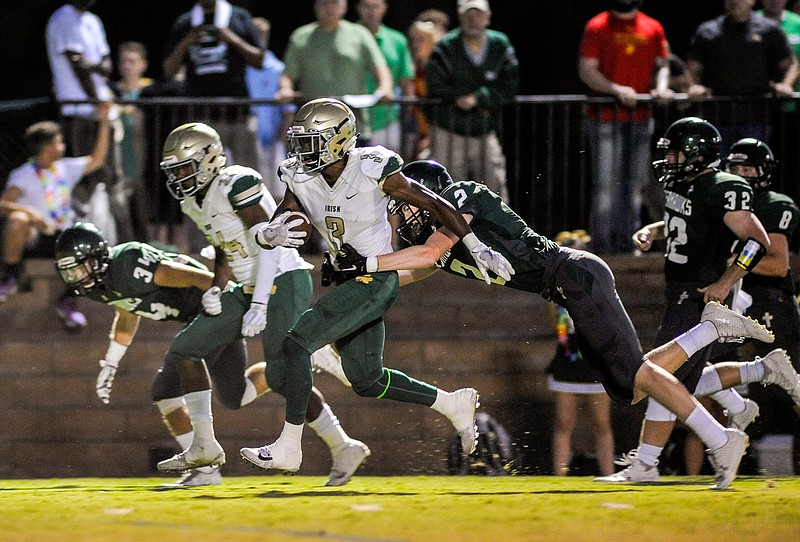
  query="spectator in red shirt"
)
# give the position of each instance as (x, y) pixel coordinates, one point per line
(619, 51)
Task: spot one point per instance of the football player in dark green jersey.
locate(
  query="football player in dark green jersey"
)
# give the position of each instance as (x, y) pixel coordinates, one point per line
(140, 281)
(579, 281)
(706, 212)
(771, 284)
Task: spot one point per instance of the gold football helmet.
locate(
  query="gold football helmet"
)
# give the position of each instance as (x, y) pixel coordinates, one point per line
(192, 157)
(323, 131)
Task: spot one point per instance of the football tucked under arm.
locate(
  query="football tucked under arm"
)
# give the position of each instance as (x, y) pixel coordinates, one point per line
(290, 229)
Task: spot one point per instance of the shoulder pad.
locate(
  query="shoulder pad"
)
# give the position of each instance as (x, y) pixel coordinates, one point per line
(244, 187)
(378, 162)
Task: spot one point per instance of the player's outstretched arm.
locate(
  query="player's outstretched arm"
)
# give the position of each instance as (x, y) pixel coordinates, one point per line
(400, 187)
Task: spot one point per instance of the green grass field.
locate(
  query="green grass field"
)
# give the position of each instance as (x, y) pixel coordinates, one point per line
(384, 509)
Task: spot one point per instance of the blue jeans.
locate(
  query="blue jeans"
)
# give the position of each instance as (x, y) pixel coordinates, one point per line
(621, 164)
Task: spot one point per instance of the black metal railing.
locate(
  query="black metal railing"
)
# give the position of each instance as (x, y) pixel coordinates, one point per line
(544, 139)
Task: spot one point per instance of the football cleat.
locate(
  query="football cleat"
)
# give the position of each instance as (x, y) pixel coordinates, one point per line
(635, 470)
(733, 327)
(327, 360)
(778, 370)
(726, 459)
(274, 456)
(193, 457)
(741, 420)
(346, 461)
(463, 404)
(203, 476)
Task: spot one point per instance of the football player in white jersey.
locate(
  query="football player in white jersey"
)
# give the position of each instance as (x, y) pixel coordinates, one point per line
(344, 191)
(274, 288)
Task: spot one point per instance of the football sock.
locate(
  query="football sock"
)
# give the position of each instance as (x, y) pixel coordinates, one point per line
(398, 386)
(250, 394)
(327, 427)
(185, 440)
(730, 400)
(707, 428)
(697, 338)
(199, 405)
(291, 434)
(648, 453)
(751, 371)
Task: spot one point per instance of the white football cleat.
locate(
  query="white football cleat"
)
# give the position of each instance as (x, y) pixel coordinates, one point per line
(726, 459)
(346, 461)
(733, 327)
(274, 456)
(327, 360)
(195, 456)
(778, 370)
(635, 470)
(204, 476)
(741, 420)
(461, 412)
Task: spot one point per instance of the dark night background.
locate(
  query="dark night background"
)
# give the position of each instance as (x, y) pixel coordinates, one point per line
(546, 33)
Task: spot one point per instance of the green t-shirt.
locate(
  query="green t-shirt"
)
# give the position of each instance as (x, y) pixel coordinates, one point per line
(333, 64)
(394, 47)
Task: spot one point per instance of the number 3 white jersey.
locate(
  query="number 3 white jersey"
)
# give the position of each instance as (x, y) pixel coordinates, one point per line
(237, 187)
(354, 210)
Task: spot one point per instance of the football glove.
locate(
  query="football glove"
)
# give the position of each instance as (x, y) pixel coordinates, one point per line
(255, 319)
(212, 304)
(350, 262)
(278, 233)
(329, 273)
(105, 379)
(488, 259)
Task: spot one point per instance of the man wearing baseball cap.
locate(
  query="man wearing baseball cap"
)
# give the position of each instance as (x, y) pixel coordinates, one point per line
(474, 71)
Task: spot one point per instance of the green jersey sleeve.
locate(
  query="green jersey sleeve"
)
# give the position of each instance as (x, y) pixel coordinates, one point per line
(243, 186)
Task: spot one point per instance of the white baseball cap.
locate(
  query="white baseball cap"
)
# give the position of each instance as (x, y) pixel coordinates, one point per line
(464, 5)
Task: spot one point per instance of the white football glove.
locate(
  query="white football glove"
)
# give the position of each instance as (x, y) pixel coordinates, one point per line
(212, 304)
(278, 233)
(488, 259)
(105, 378)
(254, 320)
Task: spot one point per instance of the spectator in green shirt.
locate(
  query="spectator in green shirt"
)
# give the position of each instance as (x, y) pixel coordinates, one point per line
(394, 47)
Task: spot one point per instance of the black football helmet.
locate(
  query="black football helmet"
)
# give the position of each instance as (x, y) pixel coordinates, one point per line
(82, 257)
(753, 152)
(416, 225)
(697, 139)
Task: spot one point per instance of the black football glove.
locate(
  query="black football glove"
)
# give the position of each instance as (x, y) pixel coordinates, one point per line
(350, 263)
(329, 273)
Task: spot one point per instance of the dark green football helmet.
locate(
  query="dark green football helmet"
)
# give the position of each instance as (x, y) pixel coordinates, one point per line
(82, 257)
(697, 139)
(753, 152)
(416, 225)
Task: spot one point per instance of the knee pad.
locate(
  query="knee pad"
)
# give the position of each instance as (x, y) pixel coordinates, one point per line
(167, 382)
(656, 412)
(709, 382)
(167, 406)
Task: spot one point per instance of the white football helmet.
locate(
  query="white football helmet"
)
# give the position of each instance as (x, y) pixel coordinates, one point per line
(323, 131)
(192, 157)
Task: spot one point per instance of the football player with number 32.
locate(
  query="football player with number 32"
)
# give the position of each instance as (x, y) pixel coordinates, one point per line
(344, 191)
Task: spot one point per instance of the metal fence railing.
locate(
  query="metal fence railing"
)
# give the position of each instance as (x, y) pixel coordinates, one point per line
(544, 139)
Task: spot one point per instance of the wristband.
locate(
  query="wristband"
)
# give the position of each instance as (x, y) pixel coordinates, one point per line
(372, 264)
(750, 255)
(470, 241)
(115, 351)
